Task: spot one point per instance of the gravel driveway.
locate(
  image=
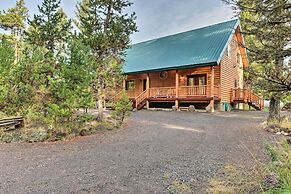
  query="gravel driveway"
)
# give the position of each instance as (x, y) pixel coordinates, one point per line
(182, 146)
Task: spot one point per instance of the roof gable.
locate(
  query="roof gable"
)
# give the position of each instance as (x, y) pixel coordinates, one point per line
(199, 47)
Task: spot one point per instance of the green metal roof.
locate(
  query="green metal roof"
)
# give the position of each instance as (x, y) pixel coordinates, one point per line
(199, 47)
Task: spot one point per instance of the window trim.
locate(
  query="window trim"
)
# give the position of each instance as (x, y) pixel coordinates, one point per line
(126, 85)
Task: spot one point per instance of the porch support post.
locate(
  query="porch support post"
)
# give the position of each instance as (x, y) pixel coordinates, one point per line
(124, 84)
(212, 89)
(148, 90)
(177, 90)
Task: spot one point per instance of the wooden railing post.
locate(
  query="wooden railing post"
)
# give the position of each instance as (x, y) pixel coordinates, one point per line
(212, 82)
(148, 90)
(124, 84)
(177, 90)
(212, 89)
(245, 96)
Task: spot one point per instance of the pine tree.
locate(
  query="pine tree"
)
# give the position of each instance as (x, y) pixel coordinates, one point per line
(122, 109)
(266, 26)
(106, 29)
(49, 32)
(6, 61)
(50, 28)
(14, 20)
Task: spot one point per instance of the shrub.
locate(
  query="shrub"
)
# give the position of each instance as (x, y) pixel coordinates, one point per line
(122, 109)
(35, 136)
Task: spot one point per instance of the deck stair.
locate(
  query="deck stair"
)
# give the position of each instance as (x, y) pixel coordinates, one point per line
(138, 103)
(141, 100)
(247, 96)
(254, 105)
(141, 105)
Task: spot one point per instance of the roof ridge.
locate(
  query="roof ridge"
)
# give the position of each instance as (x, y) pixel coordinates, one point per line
(185, 32)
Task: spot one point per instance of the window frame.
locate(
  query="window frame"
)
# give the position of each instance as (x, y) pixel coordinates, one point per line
(127, 86)
(196, 78)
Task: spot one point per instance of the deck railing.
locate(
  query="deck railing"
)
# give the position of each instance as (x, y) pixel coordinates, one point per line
(246, 96)
(115, 96)
(239, 94)
(163, 92)
(190, 91)
(140, 98)
(184, 91)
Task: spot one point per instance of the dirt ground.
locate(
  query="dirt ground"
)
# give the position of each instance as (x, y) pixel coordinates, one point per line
(151, 151)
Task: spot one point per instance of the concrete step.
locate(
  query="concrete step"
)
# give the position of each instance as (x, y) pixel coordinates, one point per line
(184, 109)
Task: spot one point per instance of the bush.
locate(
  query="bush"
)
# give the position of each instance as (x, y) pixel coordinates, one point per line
(37, 129)
(35, 136)
(122, 109)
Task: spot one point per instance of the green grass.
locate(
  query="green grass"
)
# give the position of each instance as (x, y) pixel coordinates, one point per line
(238, 179)
(179, 188)
(281, 166)
(266, 109)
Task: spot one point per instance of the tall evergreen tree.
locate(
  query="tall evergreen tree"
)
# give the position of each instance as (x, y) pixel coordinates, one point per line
(49, 31)
(6, 61)
(106, 29)
(266, 26)
(14, 20)
(50, 28)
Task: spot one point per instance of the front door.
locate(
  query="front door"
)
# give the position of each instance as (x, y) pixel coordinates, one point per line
(198, 83)
(144, 84)
(197, 80)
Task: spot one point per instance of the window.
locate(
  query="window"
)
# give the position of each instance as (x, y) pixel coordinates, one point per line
(235, 83)
(238, 58)
(130, 85)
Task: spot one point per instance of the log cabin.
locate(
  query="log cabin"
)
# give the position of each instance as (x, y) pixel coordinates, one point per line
(203, 67)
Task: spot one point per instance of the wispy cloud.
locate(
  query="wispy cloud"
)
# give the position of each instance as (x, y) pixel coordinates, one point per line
(164, 17)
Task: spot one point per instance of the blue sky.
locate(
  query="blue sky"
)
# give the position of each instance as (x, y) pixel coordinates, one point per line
(157, 18)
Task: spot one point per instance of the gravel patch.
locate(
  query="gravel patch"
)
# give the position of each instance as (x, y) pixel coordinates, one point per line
(154, 149)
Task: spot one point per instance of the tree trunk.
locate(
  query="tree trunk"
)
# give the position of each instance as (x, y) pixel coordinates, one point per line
(100, 94)
(16, 53)
(274, 110)
(100, 108)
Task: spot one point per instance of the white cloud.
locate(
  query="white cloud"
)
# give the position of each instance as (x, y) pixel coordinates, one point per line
(164, 17)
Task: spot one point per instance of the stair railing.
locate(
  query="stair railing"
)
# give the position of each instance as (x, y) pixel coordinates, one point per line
(140, 98)
(116, 96)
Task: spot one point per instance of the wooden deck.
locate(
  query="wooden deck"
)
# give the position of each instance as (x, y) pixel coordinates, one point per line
(172, 94)
(248, 97)
(185, 94)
